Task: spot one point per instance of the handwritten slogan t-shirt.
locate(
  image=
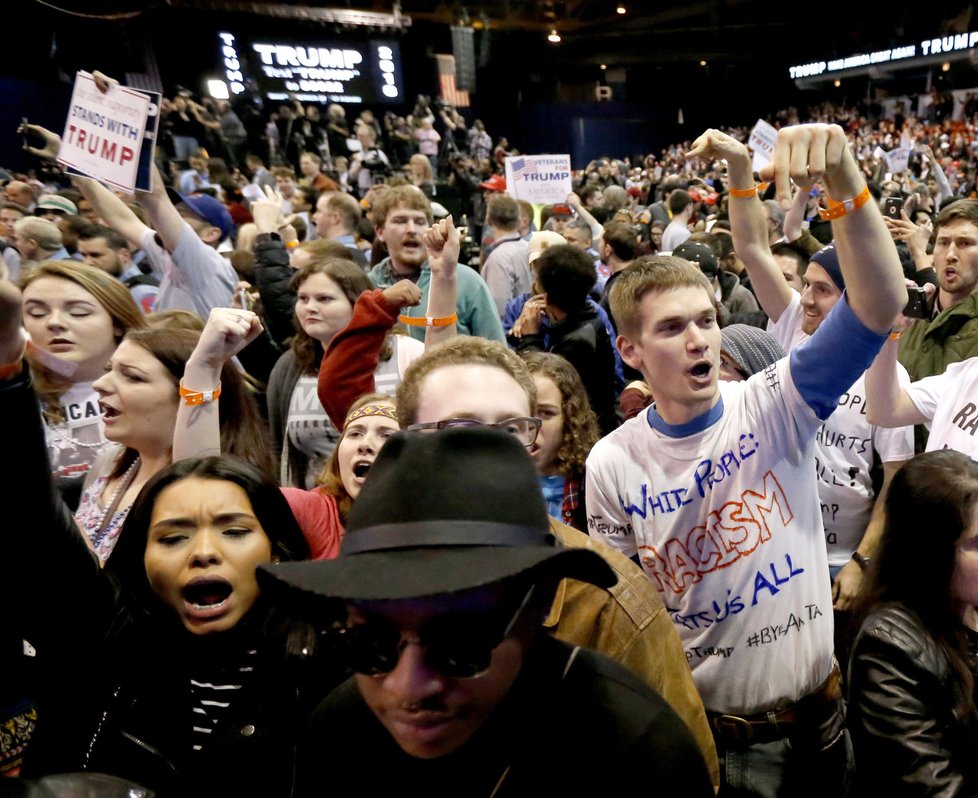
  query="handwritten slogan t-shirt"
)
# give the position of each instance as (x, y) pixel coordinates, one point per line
(844, 446)
(727, 525)
(949, 400)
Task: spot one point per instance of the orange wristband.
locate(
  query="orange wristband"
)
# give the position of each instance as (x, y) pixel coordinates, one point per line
(837, 210)
(747, 192)
(194, 398)
(428, 321)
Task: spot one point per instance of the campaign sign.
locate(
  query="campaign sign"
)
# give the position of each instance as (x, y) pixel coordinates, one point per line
(103, 134)
(898, 159)
(539, 179)
(762, 143)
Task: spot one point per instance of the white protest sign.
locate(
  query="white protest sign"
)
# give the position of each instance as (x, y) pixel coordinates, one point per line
(104, 132)
(762, 142)
(539, 179)
(898, 159)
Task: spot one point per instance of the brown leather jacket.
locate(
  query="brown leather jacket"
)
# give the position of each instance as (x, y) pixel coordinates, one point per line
(629, 623)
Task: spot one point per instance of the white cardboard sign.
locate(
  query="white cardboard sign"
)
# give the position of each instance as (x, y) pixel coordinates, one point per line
(104, 133)
(539, 179)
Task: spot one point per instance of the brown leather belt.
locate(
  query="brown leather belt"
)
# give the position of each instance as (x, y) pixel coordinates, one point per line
(765, 727)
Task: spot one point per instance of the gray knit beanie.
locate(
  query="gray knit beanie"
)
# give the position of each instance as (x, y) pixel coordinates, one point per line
(751, 348)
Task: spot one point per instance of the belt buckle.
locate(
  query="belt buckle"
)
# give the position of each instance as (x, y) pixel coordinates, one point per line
(740, 729)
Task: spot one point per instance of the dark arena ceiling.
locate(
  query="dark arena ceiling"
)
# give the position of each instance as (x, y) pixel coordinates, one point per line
(717, 58)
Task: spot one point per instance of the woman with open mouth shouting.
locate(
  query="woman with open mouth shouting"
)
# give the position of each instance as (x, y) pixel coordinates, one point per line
(168, 667)
(139, 392)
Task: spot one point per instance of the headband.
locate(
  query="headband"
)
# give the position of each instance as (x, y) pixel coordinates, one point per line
(371, 410)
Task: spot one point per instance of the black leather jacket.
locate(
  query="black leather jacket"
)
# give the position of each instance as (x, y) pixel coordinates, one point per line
(906, 737)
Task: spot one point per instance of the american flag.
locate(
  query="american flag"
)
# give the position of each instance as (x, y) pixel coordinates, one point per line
(450, 93)
(521, 167)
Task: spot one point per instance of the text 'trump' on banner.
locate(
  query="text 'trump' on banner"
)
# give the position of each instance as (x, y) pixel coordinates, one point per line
(762, 143)
(539, 179)
(103, 134)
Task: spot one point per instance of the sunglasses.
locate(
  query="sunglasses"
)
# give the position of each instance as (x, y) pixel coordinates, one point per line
(459, 647)
(524, 429)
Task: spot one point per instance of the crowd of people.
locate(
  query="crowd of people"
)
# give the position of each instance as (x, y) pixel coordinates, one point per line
(316, 487)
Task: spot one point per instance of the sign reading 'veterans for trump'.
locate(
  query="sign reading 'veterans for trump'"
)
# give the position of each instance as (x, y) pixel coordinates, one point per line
(539, 179)
(104, 133)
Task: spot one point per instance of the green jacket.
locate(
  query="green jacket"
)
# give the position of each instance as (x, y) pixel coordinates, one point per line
(928, 348)
(476, 308)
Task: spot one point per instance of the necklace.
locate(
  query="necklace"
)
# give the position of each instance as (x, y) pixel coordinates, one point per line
(107, 513)
(66, 437)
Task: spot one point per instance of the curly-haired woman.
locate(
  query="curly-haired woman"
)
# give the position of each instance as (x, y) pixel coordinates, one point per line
(569, 430)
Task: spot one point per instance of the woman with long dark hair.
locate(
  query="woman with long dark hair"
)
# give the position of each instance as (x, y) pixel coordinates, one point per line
(912, 670)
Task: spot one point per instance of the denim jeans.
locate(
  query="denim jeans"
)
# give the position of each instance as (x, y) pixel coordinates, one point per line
(817, 762)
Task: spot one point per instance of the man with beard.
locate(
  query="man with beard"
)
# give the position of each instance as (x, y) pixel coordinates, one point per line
(950, 334)
(402, 215)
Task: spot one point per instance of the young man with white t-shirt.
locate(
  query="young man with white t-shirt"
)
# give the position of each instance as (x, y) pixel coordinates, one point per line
(847, 446)
(713, 489)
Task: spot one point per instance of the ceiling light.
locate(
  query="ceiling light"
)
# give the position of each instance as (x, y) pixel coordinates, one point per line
(946, 66)
(554, 37)
(837, 83)
(621, 9)
(604, 66)
(218, 89)
(702, 63)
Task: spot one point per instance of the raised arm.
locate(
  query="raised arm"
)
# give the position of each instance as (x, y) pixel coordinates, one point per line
(161, 211)
(747, 221)
(113, 210)
(793, 219)
(887, 403)
(442, 241)
(868, 258)
(917, 237)
(347, 369)
(227, 332)
(944, 190)
(597, 229)
(166, 219)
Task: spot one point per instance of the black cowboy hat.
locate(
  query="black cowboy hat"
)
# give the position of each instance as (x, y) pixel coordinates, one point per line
(443, 512)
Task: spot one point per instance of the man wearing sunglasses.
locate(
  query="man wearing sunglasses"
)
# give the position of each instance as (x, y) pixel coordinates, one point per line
(475, 382)
(457, 690)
